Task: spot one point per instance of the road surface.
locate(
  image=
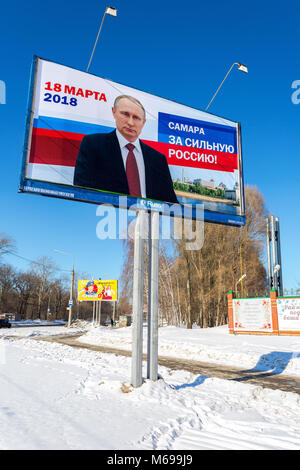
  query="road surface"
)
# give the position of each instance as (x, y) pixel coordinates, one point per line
(263, 379)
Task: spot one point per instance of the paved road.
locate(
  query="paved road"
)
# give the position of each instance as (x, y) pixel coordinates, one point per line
(263, 379)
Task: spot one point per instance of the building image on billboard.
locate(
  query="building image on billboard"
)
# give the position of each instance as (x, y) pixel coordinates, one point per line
(90, 139)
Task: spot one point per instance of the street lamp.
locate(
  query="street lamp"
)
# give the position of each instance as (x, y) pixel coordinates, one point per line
(241, 67)
(71, 287)
(108, 11)
(276, 268)
(243, 277)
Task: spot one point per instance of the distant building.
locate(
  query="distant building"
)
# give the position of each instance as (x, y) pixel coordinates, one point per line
(206, 184)
(233, 194)
(187, 180)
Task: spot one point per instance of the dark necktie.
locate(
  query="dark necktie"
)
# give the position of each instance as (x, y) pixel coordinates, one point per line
(132, 173)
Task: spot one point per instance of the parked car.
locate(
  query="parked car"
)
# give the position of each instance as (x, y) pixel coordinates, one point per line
(4, 323)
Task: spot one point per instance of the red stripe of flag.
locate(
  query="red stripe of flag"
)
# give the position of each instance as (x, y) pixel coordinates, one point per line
(196, 158)
(57, 134)
(54, 149)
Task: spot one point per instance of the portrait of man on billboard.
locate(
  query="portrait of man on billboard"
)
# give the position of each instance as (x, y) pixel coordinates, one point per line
(120, 162)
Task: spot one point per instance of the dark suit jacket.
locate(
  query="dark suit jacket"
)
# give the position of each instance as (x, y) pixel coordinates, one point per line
(99, 165)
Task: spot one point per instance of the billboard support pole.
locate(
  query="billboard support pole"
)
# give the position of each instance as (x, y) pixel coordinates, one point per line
(153, 356)
(149, 294)
(94, 311)
(97, 313)
(114, 311)
(138, 289)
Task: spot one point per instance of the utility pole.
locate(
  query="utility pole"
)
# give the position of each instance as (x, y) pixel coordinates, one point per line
(270, 278)
(71, 298)
(277, 235)
(274, 256)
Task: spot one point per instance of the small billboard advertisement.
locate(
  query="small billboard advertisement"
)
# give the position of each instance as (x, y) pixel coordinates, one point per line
(97, 290)
(91, 139)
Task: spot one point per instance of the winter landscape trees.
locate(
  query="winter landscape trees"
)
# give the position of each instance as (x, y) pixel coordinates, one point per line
(193, 283)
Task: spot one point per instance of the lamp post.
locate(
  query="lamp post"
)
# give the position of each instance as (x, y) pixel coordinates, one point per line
(71, 287)
(241, 67)
(275, 271)
(108, 11)
(241, 278)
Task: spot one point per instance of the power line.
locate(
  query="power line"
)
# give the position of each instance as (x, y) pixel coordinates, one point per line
(34, 262)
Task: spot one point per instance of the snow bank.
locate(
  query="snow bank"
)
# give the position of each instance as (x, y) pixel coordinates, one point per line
(280, 354)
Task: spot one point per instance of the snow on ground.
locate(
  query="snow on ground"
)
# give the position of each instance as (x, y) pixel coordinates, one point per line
(29, 328)
(279, 354)
(54, 396)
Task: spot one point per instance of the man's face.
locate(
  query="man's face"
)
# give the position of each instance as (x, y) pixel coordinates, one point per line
(129, 119)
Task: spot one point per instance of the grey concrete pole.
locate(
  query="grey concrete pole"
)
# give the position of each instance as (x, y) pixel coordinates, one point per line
(153, 359)
(137, 307)
(149, 295)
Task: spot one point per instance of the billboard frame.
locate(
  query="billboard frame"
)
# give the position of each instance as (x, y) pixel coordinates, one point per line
(75, 193)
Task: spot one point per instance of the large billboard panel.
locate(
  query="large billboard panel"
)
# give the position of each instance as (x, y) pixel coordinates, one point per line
(76, 147)
(97, 290)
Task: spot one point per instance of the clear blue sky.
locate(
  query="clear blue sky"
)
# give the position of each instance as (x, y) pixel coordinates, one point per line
(171, 49)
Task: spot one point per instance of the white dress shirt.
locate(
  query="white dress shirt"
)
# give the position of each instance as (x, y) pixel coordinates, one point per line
(138, 156)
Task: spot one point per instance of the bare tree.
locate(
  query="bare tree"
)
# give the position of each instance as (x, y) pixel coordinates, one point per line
(7, 244)
(7, 286)
(44, 269)
(26, 290)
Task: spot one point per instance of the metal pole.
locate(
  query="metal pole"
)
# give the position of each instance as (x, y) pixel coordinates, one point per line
(71, 297)
(269, 255)
(279, 256)
(153, 359)
(137, 307)
(94, 306)
(235, 63)
(273, 252)
(149, 295)
(96, 41)
(114, 310)
(97, 308)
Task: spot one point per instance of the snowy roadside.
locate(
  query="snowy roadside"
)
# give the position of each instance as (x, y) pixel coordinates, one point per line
(53, 396)
(277, 354)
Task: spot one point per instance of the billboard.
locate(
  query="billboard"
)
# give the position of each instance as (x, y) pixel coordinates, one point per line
(76, 147)
(252, 314)
(97, 290)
